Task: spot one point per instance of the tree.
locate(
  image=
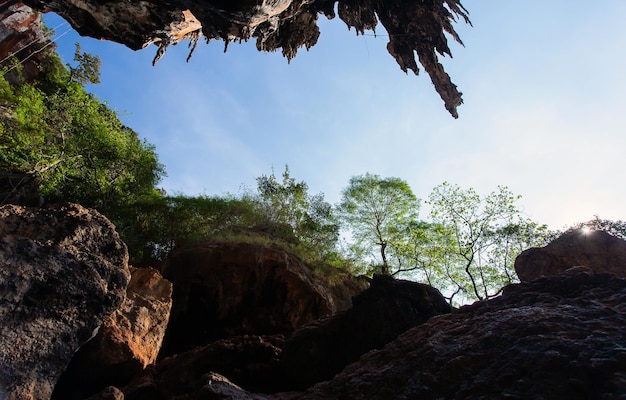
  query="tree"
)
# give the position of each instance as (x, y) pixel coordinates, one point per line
(377, 211)
(87, 69)
(484, 235)
(76, 147)
(291, 212)
(615, 228)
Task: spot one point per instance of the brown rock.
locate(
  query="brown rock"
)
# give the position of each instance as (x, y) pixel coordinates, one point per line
(596, 250)
(416, 29)
(224, 290)
(64, 270)
(562, 337)
(389, 307)
(108, 393)
(249, 361)
(22, 35)
(128, 341)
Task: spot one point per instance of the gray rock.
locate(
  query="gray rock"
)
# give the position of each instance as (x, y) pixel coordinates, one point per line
(63, 271)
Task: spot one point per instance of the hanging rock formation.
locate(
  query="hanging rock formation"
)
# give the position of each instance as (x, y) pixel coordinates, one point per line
(596, 250)
(417, 28)
(63, 271)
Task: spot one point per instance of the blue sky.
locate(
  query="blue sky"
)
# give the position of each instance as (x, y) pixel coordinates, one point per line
(543, 110)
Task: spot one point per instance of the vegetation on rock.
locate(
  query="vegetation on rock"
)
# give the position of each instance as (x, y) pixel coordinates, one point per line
(74, 148)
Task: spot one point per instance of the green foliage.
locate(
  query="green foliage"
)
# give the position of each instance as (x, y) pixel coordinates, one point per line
(75, 146)
(156, 224)
(295, 216)
(378, 211)
(481, 238)
(87, 69)
(615, 228)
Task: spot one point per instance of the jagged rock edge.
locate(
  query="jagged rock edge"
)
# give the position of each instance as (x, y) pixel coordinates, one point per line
(414, 27)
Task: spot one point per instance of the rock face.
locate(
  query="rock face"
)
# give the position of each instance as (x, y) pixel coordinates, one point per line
(128, 341)
(22, 34)
(250, 361)
(389, 307)
(63, 271)
(414, 26)
(224, 290)
(562, 337)
(596, 250)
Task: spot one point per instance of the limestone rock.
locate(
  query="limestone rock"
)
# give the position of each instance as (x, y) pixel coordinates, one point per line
(596, 250)
(224, 290)
(416, 28)
(63, 271)
(128, 341)
(22, 35)
(562, 337)
(389, 307)
(249, 361)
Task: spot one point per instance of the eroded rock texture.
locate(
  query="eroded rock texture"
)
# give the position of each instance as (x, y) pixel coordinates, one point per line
(248, 361)
(224, 290)
(22, 42)
(596, 250)
(562, 337)
(415, 27)
(128, 341)
(62, 272)
(389, 307)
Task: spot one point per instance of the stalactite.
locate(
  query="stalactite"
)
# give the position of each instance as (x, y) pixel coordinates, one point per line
(417, 29)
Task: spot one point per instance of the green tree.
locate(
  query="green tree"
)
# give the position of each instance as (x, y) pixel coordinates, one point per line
(74, 147)
(377, 212)
(483, 237)
(615, 228)
(294, 215)
(87, 69)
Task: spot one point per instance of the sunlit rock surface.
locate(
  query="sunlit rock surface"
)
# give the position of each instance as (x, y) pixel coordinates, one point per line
(128, 341)
(416, 29)
(596, 250)
(23, 40)
(62, 272)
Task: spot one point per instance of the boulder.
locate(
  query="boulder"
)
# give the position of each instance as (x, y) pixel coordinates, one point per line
(596, 250)
(561, 337)
(248, 361)
(64, 270)
(389, 307)
(230, 289)
(128, 341)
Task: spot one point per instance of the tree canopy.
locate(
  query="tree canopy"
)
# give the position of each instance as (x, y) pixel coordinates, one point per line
(483, 235)
(376, 211)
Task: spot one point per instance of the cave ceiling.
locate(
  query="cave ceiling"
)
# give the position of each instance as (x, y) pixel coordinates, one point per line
(418, 30)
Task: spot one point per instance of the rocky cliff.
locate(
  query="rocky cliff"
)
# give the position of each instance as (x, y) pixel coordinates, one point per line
(270, 328)
(416, 28)
(23, 41)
